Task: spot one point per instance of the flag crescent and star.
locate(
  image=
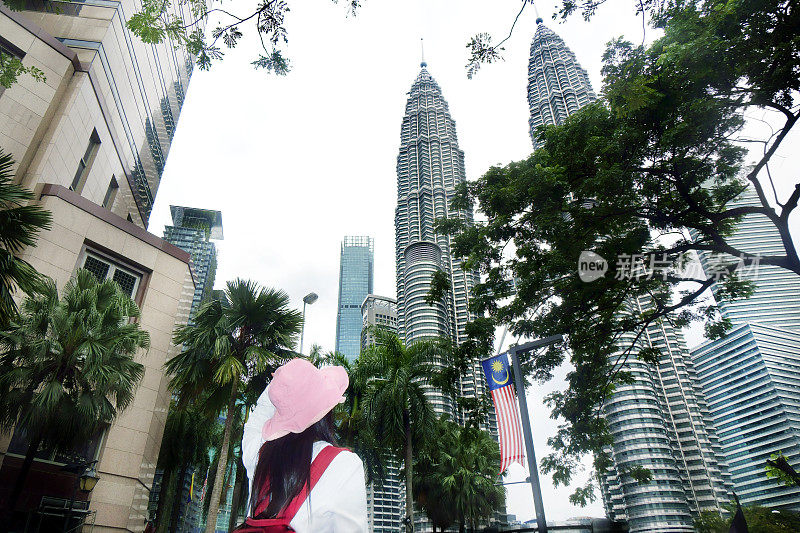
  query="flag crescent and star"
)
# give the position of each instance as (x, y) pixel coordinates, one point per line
(509, 427)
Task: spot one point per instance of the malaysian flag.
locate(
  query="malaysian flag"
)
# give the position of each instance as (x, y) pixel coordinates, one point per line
(498, 377)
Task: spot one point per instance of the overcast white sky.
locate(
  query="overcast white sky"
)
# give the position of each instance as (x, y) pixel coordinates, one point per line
(296, 163)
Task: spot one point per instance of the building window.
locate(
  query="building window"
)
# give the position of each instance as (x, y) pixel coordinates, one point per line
(85, 164)
(111, 193)
(103, 268)
(9, 53)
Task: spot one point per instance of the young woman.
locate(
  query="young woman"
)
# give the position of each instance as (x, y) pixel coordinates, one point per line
(289, 446)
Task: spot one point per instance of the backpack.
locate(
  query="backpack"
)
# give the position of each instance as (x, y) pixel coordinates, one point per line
(281, 522)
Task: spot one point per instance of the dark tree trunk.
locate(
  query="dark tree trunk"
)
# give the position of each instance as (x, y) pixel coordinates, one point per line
(19, 484)
(237, 495)
(177, 499)
(162, 499)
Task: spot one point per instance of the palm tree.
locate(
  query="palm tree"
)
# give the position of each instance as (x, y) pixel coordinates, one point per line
(67, 366)
(457, 476)
(234, 337)
(19, 225)
(397, 407)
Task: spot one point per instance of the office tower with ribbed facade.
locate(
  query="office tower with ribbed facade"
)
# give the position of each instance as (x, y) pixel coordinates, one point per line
(751, 377)
(356, 262)
(430, 166)
(656, 421)
(557, 85)
(659, 421)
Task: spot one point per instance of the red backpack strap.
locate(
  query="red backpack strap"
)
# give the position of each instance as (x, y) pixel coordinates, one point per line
(318, 467)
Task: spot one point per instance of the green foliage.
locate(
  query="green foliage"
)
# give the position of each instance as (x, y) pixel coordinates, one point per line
(625, 177)
(67, 366)
(157, 22)
(20, 222)
(759, 520)
(12, 68)
(440, 285)
(457, 476)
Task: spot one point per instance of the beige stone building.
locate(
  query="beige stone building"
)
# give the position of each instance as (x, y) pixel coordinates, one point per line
(91, 141)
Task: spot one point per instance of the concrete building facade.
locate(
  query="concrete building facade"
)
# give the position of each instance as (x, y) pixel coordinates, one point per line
(91, 141)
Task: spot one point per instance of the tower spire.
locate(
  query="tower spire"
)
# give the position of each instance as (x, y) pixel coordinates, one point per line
(422, 63)
(539, 19)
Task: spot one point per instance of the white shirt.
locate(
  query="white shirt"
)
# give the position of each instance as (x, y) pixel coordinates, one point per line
(337, 503)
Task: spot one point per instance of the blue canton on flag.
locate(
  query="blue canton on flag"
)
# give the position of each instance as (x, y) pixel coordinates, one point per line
(509, 427)
(497, 372)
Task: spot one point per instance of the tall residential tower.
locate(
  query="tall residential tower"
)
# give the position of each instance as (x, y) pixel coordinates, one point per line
(355, 283)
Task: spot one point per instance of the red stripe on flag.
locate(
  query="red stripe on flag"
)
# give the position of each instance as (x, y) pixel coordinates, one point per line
(508, 427)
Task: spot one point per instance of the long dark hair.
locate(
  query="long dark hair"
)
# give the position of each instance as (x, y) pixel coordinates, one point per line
(286, 463)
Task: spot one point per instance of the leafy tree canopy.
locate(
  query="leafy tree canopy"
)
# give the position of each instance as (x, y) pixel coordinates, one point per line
(625, 177)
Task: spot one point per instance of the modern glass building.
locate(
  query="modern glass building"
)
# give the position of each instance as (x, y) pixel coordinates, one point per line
(776, 300)
(557, 85)
(355, 283)
(193, 230)
(751, 380)
(751, 377)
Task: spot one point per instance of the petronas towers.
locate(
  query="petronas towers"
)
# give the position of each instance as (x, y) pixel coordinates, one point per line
(658, 421)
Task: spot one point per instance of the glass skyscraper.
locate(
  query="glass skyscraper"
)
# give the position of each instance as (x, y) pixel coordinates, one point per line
(557, 85)
(751, 377)
(355, 283)
(193, 230)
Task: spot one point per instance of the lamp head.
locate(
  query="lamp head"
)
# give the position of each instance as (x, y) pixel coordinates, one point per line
(310, 298)
(88, 480)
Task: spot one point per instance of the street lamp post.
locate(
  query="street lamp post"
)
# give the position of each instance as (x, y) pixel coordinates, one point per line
(519, 383)
(85, 482)
(308, 299)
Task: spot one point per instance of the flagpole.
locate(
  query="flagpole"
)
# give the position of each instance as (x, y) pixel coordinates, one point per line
(538, 504)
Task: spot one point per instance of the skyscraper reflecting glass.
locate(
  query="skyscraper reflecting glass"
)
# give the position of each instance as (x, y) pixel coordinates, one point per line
(355, 283)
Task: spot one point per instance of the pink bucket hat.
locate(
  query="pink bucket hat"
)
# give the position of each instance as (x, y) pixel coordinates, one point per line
(302, 394)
